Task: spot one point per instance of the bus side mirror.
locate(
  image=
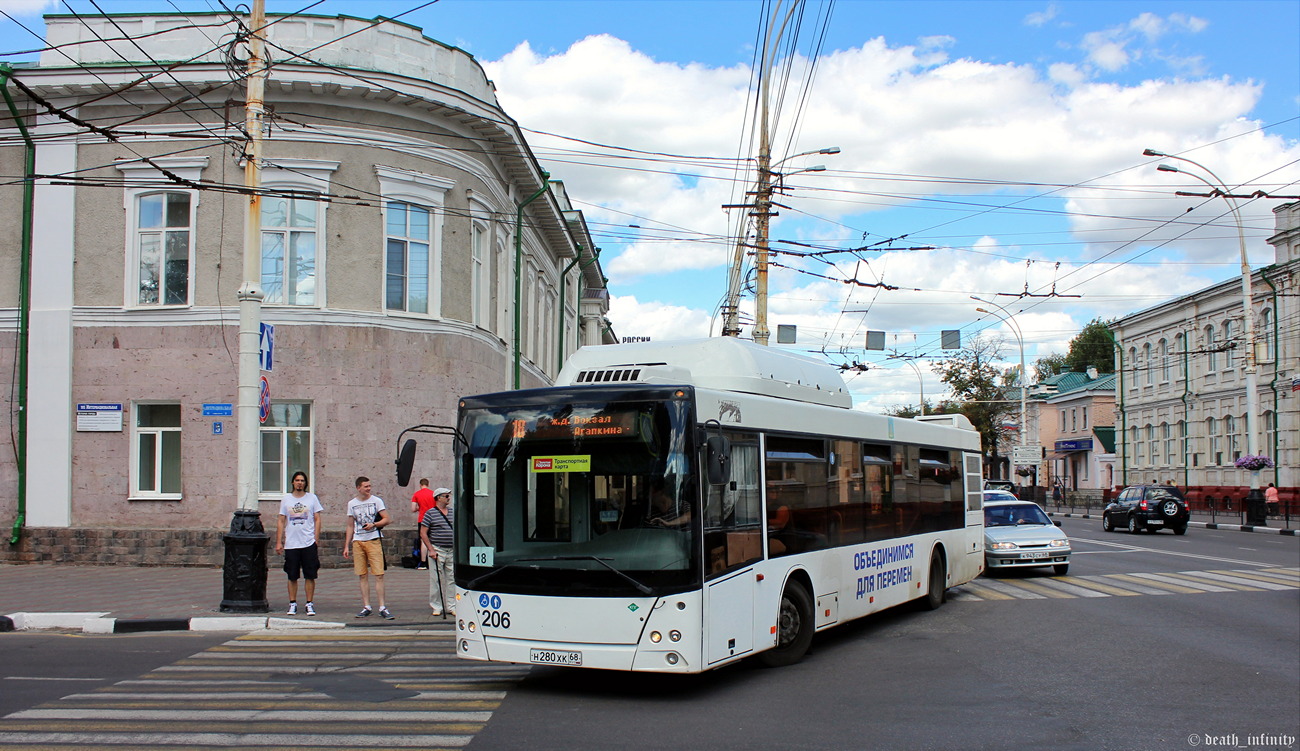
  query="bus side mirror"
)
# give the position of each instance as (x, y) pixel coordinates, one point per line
(717, 459)
(405, 462)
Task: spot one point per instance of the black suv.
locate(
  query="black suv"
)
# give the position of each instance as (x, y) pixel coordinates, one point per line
(1147, 508)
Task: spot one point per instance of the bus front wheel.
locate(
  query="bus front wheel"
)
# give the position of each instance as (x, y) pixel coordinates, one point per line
(794, 628)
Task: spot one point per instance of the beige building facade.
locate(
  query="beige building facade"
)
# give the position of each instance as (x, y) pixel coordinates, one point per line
(396, 258)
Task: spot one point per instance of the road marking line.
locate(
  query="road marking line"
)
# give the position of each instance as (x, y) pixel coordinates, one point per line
(1276, 578)
(1014, 592)
(1136, 584)
(1155, 581)
(46, 678)
(1175, 552)
(237, 739)
(1199, 577)
(985, 593)
(1244, 578)
(1092, 583)
(1068, 586)
(1174, 581)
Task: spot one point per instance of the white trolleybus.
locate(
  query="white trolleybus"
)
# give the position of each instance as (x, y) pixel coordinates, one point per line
(678, 506)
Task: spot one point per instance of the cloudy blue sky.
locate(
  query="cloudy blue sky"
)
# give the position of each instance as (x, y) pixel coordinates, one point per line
(987, 148)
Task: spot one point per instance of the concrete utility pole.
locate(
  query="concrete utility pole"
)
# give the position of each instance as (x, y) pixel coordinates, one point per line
(244, 572)
(1255, 509)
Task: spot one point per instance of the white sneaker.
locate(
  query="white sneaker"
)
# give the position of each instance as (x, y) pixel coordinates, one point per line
(311, 609)
(293, 608)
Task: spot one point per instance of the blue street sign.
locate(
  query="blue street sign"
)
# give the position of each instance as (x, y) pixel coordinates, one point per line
(266, 348)
(218, 410)
(217, 428)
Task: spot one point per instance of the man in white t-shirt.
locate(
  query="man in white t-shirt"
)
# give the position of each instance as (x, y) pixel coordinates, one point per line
(366, 516)
(296, 530)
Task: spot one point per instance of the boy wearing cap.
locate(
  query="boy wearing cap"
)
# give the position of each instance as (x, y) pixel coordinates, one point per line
(436, 532)
(421, 502)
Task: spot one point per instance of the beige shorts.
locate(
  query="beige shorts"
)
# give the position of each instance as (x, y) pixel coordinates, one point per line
(368, 556)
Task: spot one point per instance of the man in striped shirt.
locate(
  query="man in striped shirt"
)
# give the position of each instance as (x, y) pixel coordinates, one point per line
(436, 532)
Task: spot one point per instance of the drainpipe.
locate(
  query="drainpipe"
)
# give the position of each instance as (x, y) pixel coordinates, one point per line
(595, 256)
(1277, 467)
(24, 302)
(519, 262)
(1187, 410)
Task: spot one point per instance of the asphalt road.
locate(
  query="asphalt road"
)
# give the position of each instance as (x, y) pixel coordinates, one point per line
(1160, 642)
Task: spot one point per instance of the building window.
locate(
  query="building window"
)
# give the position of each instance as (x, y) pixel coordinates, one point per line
(1216, 448)
(406, 257)
(1168, 437)
(286, 446)
(505, 299)
(1164, 361)
(157, 443)
(1155, 445)
(1085, 418)
(1180, 350)
(289, 253)
(1074, 420)
(1148, 365)
(1228, 345)
(1211, 354)
(1266, 328)
(1270, 434)
(1137, 447)
(1063, 421)
(1185, 444)
(1230, 431)
(164, 248)
(1133, 363)
(480, 292)
(414, 208)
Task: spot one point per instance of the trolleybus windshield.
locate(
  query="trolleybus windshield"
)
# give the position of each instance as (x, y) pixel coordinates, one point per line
(580, 494)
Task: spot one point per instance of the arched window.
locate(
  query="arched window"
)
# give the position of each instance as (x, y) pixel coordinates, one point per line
(1180, 350)
(1164, 361)
(1216, 449)
(1147, 365)
(1270, 433)
(1153, 444)
(1167, 436)
(1228, 363)
(1135, 448)
(1185, 444)
(1266, 330)
(1230, 433)
(1211, 356)
(1133, 365)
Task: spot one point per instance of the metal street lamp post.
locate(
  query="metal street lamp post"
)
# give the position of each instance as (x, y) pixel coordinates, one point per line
(1010, 321)
(1256, 512)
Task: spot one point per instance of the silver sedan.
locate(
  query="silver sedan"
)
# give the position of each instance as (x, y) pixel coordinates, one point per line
(1019, 534)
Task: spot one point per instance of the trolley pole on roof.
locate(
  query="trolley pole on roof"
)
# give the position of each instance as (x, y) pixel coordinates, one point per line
(244, 569)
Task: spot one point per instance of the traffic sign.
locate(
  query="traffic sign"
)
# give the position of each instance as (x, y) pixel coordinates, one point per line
(264, 401)
(266, 348)
(1026, 454)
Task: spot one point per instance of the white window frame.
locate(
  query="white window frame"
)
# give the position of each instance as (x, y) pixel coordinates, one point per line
(287, 471)
(505, 285)
(304, 176)
(479, 274)
(408, 273)
(1229, 362)
(1266, 328)
(157, 431)
(1164, 361)
(1212, 357)
(146, 179)
(426, 191)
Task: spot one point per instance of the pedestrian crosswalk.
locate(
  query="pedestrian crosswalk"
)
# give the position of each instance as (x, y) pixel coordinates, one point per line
(350, 688)
(1127, 585)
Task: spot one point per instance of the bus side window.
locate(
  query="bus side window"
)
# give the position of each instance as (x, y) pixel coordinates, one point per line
(732, 523)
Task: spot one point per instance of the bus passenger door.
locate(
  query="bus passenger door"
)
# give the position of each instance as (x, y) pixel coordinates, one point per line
(974, 542)
(733, 542)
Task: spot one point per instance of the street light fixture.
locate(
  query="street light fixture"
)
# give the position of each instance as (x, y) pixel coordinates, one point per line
(1255, 499)
(1015, 328)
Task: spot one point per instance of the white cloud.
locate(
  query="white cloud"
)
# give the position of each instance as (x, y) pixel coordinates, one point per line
(26, 7)
(630, 317)
(1041, 18)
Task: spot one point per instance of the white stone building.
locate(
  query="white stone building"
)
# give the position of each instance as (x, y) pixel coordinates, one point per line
(1181, 389)
(393, 186)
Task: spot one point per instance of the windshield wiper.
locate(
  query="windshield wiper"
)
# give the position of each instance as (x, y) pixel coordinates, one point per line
(643, 589)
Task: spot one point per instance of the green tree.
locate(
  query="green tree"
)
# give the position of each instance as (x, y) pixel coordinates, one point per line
(1048, 366)
(980, 388)
(1092, 347)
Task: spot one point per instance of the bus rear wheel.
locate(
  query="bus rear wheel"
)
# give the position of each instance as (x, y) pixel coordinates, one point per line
(937, 589)
(794, 628)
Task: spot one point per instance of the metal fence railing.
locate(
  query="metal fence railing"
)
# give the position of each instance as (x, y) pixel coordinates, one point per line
(1220, 512)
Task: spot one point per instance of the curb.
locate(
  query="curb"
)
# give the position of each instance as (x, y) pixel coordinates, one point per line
(98, 623)
(1205, 525)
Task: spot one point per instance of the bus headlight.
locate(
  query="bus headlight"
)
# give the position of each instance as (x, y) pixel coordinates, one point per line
(472, 627)
(672, 658)
(675, 635)
(656, 637)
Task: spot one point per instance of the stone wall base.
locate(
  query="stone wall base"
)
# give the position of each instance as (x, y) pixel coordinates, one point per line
(165, 547)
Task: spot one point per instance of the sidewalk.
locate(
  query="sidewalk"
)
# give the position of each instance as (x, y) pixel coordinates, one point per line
(131, 593)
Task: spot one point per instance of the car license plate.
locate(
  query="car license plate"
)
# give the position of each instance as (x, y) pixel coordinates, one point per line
(1154, 522)
(554, 657)
(1038, 554)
